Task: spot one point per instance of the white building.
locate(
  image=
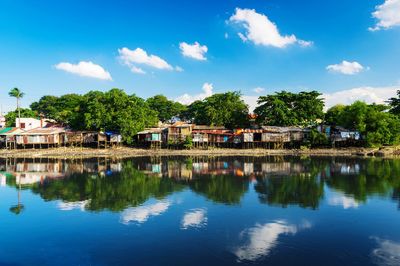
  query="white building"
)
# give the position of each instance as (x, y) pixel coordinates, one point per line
(2, 121)
(29, 123)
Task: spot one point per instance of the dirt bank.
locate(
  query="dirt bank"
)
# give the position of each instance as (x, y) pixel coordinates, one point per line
(125, 152)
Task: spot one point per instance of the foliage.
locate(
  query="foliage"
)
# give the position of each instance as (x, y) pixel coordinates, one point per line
(290, 109)
(394, 104)
(222, 109)
(188, 144)
(166, 109)
(378, 126)
(25, 112)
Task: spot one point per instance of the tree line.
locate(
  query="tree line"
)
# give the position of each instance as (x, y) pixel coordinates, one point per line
(115, 110)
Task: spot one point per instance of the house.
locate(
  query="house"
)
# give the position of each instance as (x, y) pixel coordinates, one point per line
(201, 134)
(29, 123)
(179, 132)
(38, 137)
(8, 137)
(151, 137)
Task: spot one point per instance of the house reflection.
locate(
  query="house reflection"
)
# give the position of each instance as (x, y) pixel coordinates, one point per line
(119, 184)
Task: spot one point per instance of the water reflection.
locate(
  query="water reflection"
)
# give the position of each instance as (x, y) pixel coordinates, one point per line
(262, 238)
(128, 185)
(196, 218)
(387, 253)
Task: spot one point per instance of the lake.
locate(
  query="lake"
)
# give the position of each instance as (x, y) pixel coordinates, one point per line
(200, 211)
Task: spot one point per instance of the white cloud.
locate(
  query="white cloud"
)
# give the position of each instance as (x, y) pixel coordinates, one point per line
(261, 239)
(262, 31)
(339, 199)
(196, 218)
(142, 213)
(258, 90)
(387, 14)
(346, 68)
(251, 101)
(387, 253)
(195, 51)
(85, 69)
(188, 99)
(137, 70)
(367, 94)
(140, 56)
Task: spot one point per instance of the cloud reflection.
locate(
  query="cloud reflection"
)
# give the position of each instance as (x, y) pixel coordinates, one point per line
(261, 239)
(195, 218)
(387, 253)
(142, 213)
(69, 206)
(339, 199)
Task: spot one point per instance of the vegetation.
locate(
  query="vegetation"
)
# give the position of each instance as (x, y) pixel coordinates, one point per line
(116, 111)
(373, 122)
(290, 109)
(16, 93)
(222, 109)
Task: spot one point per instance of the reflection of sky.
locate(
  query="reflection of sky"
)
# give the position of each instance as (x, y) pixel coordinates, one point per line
(69, 206)
(387, 253)
(340, 199)
(142, 213)
(194, 219)
(261, 239)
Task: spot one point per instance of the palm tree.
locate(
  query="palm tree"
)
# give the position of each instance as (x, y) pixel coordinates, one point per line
(16, 93)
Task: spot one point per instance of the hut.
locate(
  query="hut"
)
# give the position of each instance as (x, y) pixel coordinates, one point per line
(42, 137)
(151, 138)
(220, 138)
(113, 139)
(200, 134)
(7, 137)
(178, 133)
(275, 137)
(344, 137)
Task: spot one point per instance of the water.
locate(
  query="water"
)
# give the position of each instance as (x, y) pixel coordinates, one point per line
(200, 211)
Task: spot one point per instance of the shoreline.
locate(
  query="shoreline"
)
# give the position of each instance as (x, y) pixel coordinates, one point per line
(126, 152)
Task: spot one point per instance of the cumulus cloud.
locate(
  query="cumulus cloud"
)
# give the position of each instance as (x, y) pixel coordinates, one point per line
(387, 15)
(195, 50)
(346, 68)
(188, 99)
(85, 69)
(142, 213)
(194, 219)
(139, 56)
(261, 30)
(367, 94)
(261, 239)
(387, 253)
(179, 69)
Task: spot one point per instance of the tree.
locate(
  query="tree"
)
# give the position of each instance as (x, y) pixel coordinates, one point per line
(376, 125)
(16, 93)
(11, 117)
(166, 109)
(116, 111)
(394, 104)
(290, 109)
(222, 109)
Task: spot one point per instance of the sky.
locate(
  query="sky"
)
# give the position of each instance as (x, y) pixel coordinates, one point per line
(188, 50)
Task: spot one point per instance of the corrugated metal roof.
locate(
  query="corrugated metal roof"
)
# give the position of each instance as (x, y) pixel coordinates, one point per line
(5, 130)
(43, 131)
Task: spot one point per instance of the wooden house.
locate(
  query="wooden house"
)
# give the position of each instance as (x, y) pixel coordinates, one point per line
(8, 136)
(178, 133)
(38, 137)
(151, 137)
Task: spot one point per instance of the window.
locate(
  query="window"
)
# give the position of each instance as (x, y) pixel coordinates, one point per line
(22, 125)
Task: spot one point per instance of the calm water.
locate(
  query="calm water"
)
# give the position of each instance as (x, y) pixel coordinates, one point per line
(200, 211)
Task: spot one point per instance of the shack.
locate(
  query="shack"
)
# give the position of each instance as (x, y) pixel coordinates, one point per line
(178, 133)
(151, 138)
(7, 137)
(40, 137)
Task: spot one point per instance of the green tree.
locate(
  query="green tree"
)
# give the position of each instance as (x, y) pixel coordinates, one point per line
(18, 94)
(290, 109)
(394, 104)
(222, 109)
(166, 109)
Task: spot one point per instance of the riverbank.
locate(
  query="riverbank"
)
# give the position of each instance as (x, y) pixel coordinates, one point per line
(125, 152)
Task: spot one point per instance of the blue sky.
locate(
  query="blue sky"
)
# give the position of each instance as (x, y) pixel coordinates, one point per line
(190, 49)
